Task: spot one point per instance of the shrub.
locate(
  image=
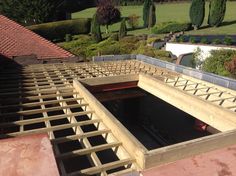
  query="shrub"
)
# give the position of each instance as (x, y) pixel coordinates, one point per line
(107, 13)
(181, 39)
(114, 36)
(216, 62)
(152, 16)
(105, 47)
(228, 41)
(95, 29)
(123, 30)
(146, 9)
(192, 40)
(216, 41)
(197, 13)
(204, 40)
(68, 37)
(168, 27)
(133, 21)
(217, 10)
(152, 52)
(153, 39)
(79, 44)
(57, 30)
(231, 67)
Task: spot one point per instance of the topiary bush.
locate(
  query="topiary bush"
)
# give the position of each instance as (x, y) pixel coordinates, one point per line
(181, 39)
(216, 41)
(95, 29)
(56, 31)
(152, 16)
(228, 41)
(122, 30)
(216, 62)
(192, 40)
(167, 27)
(146, 9)
(217, 10)
(204, 40)
(197, 13)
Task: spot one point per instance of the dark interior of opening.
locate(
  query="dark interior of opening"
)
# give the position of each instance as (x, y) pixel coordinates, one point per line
(151, 120)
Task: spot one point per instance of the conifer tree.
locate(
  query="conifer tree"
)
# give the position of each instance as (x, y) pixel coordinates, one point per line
(152, 16)
(197, 13)
(95, 29)
(123, 29)
(146, 9)
(217, 10)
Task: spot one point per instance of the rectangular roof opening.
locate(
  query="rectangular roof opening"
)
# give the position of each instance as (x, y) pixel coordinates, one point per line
(157, 117)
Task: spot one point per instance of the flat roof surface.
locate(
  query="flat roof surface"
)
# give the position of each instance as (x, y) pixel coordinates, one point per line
(27, 156)
(43, 99)
(220, 162)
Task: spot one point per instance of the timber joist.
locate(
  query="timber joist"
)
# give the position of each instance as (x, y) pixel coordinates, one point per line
(43, 99)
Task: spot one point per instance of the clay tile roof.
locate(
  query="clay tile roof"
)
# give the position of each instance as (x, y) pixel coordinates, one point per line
(16, 40)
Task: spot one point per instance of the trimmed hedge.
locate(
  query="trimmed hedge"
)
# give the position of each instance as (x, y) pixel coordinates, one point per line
(56, 31)
(152, 52)
(168, 27)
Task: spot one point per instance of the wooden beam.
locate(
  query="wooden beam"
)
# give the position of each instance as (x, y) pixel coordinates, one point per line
(190, 148)
(48, 129)
(214, 115)
(80, 136)
(42, 119)
(134, 148)
(37, 111)
(104, 167)
(88, 150)
(39, 103)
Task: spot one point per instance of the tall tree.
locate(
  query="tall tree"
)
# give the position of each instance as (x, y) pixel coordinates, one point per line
(107, 13)
(146, 9)
(152, 16)
(197, 13)
(217, 10)
(95, 29)
(29, 11)
(123, 29)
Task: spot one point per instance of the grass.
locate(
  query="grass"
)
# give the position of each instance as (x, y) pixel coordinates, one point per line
(171, 12)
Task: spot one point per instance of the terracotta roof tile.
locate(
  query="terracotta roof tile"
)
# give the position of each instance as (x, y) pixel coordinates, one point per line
(16, 40)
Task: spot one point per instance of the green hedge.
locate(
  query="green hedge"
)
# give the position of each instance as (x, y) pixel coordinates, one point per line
(167, 27)
(153, 52)
(215, 63)
(56, 31)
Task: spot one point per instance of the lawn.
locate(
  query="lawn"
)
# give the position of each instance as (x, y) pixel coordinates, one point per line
(172, 12)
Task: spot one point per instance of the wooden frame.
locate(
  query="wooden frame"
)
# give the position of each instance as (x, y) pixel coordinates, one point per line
(42, 94)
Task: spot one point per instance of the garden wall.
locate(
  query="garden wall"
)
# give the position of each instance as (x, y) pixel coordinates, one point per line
(182, 48)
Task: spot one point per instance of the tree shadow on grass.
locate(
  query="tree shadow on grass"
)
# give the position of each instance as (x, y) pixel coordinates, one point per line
(136, 28)
(225, 23)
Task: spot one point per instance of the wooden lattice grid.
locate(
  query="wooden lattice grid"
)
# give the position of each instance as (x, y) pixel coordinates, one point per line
(41, 94)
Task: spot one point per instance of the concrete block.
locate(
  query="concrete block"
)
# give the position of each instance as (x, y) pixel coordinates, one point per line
(232, 85)
(170, 67)
(196, 74)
